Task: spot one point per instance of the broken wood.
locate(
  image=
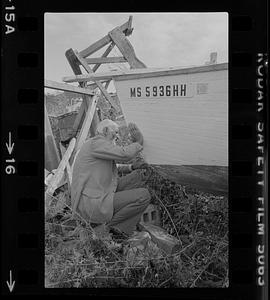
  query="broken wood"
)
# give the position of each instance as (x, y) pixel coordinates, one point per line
(159, 236)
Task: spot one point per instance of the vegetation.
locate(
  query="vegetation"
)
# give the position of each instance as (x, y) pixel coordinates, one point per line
(79, 256)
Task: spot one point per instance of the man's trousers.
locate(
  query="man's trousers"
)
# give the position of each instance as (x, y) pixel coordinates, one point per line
(130, 201)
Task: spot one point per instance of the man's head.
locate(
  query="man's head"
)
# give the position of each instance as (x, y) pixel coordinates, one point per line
(108, 129)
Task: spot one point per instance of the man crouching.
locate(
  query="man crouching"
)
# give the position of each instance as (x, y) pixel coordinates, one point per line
(97, 193)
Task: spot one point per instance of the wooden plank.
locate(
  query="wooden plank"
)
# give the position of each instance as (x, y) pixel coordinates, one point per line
(105, 54)
(74, 63)
(67, 87)
(67, 171)
(126, 48)
(99, 84)
(105, 60)
(68, 168)
(59, 173)
(144, 73)
(95, 46)
(126, 27)
(159, 236)
(87, 123)
(72, 59)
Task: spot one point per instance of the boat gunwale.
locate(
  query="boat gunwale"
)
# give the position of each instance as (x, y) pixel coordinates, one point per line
(169, 72)
(146, 73)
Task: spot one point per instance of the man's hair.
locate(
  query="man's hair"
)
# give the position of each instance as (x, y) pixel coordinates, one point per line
(106, 123)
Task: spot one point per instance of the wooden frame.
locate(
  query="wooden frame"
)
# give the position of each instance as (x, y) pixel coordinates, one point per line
(98, 83)
(87, 116)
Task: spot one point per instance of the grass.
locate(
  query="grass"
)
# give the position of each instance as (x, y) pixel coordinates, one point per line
(77, 256)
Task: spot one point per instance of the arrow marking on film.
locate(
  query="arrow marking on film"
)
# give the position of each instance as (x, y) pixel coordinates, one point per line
(11, 283)
(9, 145)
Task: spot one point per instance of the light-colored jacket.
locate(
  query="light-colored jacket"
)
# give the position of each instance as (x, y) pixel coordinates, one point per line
(94, 178)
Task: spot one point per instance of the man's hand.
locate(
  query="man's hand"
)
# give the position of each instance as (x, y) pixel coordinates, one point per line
(136, 135)
(140, 164)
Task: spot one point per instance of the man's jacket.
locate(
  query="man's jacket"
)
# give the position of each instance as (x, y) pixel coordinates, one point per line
(94, 177)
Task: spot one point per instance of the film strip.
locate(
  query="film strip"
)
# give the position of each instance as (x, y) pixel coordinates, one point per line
(22, 178)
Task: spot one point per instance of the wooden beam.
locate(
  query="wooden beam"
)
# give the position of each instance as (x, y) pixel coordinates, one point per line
(85, 128)
(96, 46)
(105, 60)
(58, 174)
(126, 27)
(68, 168)
(126, 48)
(74, 63)
(145, 73)
(105, 54)
(67, 87)
(87, 123)
(98, 83)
